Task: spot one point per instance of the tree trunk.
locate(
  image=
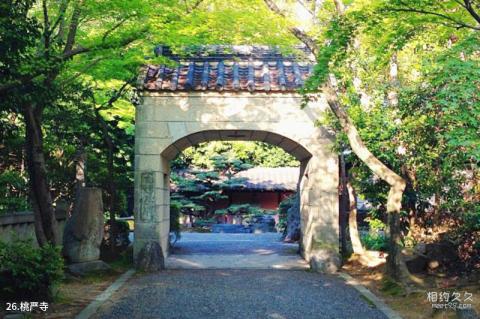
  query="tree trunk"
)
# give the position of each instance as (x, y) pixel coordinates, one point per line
(343, 206)
(41, 199)
(396, 267)
(396, 182)
(395, 264)
(352, 221)
(340, 7)
(113, 230)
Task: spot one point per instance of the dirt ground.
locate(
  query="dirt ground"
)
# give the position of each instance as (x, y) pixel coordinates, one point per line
(74, 295)
(415, 304)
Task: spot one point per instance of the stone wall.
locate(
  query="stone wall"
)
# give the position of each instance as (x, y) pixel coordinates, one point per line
(167, 123)
(21, 225)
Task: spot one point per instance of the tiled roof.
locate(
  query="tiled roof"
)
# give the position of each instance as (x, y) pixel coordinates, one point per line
(266, 178)
(230, 68)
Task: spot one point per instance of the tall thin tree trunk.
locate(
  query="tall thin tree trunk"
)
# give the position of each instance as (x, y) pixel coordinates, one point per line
(397, 184)
(343, 205)
(352, 221)
(111, 185)
(41, 199)
(395, 264)
(396, 267)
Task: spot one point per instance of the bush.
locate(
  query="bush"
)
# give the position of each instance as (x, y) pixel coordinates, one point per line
(467, 237)
(175, 208)
(204, 222)
(283, 208)
(241, 209)
(375, 239)
(13, 190)
(375, 242)
(28, 272)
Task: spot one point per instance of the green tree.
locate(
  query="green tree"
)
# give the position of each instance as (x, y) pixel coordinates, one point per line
(51, 46)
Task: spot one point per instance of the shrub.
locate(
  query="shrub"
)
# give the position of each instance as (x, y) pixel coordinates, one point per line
(201, 222)
(467, 237)
(241, 209)
(13, 190)
(283, 208)
(175, 208)
(28, 272)
(375, 242)
(375, 239)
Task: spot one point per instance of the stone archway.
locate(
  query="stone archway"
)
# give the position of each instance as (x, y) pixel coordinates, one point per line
(168, 121)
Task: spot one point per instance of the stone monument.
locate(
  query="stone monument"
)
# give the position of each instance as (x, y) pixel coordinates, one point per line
(83, 232)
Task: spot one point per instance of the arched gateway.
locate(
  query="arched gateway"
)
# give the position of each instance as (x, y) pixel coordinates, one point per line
(232, 93)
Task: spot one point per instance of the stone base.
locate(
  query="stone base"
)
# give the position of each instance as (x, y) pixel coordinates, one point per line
(325, 261)
(150, 258)
(81, 269)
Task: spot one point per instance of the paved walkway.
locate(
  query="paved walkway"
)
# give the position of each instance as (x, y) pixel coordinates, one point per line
(234, 251)
(233, 292)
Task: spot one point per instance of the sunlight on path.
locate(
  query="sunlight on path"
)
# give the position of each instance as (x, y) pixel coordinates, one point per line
(234, 251)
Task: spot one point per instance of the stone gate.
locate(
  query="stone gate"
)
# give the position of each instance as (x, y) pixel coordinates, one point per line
(233, 93)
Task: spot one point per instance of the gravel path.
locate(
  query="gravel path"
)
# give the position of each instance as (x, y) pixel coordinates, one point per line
(242, 294)
(233, 244)
(234, 251)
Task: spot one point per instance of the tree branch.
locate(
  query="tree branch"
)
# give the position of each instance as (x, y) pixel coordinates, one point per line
(72, 30)
(26, 79)
(457, 24)
(299, 34)
(194, 6)
(118, 93)
(60, 21)
(116, 26)
(471, 10)
(46, 27)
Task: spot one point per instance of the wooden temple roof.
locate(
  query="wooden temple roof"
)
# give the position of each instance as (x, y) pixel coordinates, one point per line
(229, 68)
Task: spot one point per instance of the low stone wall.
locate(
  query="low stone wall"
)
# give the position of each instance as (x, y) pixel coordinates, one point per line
(21, 225)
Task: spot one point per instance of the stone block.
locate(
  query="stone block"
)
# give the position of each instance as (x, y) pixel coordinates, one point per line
(324, 261)
(83, 232)
(163, 197)
(149, 145)
(259, 135)
(145, 111)
(164, 165)
(288, 145)
(147, 162)
(153, 129)
(177, 130)
(146, 195)
(162, 212)
(165, 244)
(183, 143)
(162, 180)
(196, 138)
(150, 257)
(148, 230)
(170, 152)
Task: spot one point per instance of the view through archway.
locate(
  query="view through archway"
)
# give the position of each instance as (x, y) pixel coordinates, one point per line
(230, 203)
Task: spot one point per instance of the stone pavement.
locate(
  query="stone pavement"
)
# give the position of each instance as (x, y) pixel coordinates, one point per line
(249, 285)
(234, 251)
(232, 294)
